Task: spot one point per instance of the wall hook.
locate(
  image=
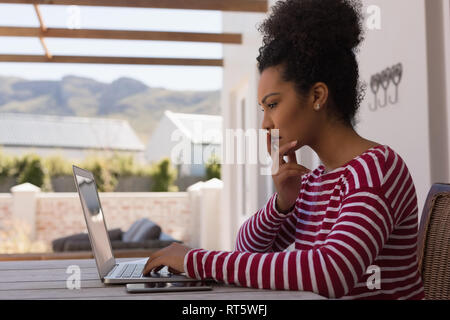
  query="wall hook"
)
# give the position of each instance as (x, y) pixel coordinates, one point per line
(374, 87)
(385, 79)
(396, 78)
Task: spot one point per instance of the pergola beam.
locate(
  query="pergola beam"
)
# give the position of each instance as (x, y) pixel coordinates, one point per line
(112, 60)
(39, 16)
(226, 38)
(220, 5)
(43, 30)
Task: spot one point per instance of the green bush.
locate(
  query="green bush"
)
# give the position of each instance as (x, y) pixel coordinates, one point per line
(6, 165)
(213, 167)
(58, 166)
(101, 168)
(164, 176)
(107, 170)
(122, 165)
(126, 166)
(30, 168)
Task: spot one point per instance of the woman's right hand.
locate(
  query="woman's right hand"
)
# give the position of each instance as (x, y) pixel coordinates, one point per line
(286, 175)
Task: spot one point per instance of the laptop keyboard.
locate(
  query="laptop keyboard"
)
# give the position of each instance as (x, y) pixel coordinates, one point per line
(135, 271)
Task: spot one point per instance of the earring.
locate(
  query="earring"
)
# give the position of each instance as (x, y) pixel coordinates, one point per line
(317, 107)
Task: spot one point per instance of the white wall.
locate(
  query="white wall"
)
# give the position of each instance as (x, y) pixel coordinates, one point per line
(239, 81)
(412, 125)
(438, 52)
(417, 132)
(160, 144)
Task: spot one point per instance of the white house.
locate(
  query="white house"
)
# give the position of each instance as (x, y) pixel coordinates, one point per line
(71, 137)
(413, 33)
(189, 140)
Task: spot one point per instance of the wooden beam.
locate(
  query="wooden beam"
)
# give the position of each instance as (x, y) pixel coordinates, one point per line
(44, 46)
(221, 5)
(227, 38)
(39, 16)
(113, 60)
(43, 29)
(41, 21)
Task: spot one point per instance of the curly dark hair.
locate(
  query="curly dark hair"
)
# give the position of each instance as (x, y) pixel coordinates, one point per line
(317, 41)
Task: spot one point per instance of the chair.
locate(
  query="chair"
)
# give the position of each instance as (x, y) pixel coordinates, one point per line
(434, 243)
(143, 234)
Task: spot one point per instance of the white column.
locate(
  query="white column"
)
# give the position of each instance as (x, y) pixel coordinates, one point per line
(195, 197)
(207, 218)
(212, 235)
(24, 205)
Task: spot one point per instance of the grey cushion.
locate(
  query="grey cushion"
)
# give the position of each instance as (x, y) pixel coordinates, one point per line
(148, 244)
(77, 245)
(81, 245)
(142, 230)
(115, 234)
(148, 230)
(129, 234)
(165, 237)
(58, 245)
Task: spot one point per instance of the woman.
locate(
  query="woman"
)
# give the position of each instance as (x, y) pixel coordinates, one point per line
(354, 218)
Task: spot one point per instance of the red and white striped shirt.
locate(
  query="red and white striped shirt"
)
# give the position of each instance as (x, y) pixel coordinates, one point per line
(355, 233)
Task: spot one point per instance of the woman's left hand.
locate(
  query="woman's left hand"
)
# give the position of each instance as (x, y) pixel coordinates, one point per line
(171, 256)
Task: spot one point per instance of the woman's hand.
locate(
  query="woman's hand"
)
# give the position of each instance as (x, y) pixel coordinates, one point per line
(287, 176)
(171, 256)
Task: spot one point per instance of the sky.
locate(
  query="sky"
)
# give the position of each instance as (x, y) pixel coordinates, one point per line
(170, 77)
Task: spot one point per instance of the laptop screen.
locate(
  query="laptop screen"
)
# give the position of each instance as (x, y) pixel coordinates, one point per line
(96, 225)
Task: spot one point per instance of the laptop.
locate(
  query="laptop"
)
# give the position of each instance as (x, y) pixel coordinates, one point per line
(109, 271)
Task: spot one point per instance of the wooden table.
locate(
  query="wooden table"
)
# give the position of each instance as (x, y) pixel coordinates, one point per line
(47, 280)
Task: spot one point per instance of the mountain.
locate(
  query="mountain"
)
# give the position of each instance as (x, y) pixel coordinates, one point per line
(124, 98)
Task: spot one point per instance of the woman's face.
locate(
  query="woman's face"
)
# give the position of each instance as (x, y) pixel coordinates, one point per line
(285, 110)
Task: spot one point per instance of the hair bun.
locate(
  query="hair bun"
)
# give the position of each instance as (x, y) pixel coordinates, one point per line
(347, 31)
(318, 23)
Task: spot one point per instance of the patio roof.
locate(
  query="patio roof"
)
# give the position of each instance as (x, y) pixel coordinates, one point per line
(30, 130)
(222, 5)
(43, 32)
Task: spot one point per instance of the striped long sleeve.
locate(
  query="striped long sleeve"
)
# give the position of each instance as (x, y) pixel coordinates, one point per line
(264, 231)
(344, 223)
(330, 269)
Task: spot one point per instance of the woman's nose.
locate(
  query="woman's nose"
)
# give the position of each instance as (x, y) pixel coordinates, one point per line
(267, 123)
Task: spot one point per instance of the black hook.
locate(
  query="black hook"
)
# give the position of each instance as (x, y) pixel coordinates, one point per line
(396, 77)
(374, 87)
(385, 79)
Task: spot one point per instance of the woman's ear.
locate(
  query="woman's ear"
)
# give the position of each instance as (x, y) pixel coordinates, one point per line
(320, 94)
